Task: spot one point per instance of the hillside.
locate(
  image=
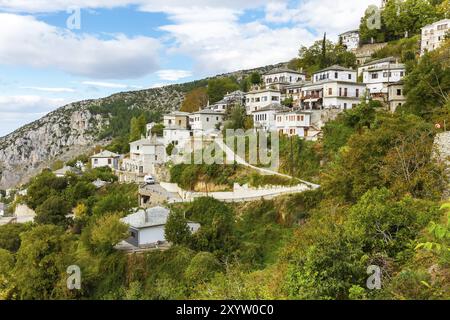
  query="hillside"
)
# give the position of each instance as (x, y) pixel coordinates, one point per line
(78, 127)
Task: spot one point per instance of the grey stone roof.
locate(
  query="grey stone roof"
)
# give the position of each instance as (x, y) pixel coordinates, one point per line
(388, 59)
(106, 154)
(282, 70)
(335, 68)
(152, 217)
(272, 106)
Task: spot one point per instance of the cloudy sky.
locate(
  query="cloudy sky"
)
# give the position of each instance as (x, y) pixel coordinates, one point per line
(53, 52)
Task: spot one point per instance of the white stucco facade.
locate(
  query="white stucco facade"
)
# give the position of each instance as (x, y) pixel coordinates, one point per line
(433, 35)
(378, 79)
(206, 121)
(335, 73)
(293, 123)
(258, 99)
(105, 159)
(350, 39)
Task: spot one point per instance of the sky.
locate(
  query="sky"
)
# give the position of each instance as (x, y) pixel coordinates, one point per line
(53, 52)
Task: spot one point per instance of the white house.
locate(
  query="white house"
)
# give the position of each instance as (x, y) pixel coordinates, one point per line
(105, 159)
(293, 123)
(330, 94)
(265, 118)
(293, 91)
(147, 227)
(2, 209)
(378, 79)
(433, 35)
(176, 119)
(144, 155)
(282, 76)
(336, 73)
(376, 64)
(350, 39)
(206, 121)
(396, 95)
(257, 99)
(65, 170)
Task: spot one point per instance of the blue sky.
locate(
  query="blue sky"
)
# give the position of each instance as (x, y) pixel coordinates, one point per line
(125, 45)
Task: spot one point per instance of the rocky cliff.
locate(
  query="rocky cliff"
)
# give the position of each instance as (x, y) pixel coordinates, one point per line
(75, 128)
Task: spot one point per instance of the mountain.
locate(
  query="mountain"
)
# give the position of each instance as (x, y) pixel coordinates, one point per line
(78, 127)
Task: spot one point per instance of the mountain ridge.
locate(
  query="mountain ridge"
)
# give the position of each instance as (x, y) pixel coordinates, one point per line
(73, 129)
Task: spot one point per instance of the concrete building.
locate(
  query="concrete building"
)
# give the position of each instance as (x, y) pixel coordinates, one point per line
(335, 73)
(279, 77)
(379, 78)
(293, 123)
(144, 155)
(176, 119)
(265, 118)
(350, 39)
(147, 227)
(332, 88)
(206, 122)
(433, 35)
(105, 159)
(260, 98)
(396, 96)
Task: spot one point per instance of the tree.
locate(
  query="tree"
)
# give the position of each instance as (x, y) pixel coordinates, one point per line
(10, 236)
(138, 127)
(6, 267)
(106, 232)
(219, 87)
(158, 130)
(255, 78)
(202, 268)
(42, 261)
(42, 187)
(177, 230)
(53, 211)
(195, 100)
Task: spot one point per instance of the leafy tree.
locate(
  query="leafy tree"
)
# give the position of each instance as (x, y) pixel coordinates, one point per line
(195, 100)
(10, 236)
(106, 232)
(177, 230)
(42, 260)
(53, 211)
(42, 187)
(219, 87)
(158, 130)
(138, 127)
(6, 267)
(202, 267)
(255, 78)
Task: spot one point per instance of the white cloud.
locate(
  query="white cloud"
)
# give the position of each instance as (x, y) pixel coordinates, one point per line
(218, 42)
(36, 6)
(173, 75)
(29, 104)
(26, 41)
(110, 85)
(50, 89)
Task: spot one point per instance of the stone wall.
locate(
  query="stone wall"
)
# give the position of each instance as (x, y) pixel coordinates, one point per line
(442, 151)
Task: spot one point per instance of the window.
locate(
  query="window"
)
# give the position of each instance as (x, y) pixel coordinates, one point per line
(217, 118)
(340, 92)
(349, 76)
(402, 73)
(330, 91)
(345, 92)
(345, 106)
(95, 161)
(357, 93)
(109, 161)
(336, 75)
(207, 119)
(374, 75)
(399, 92)
(274, 98)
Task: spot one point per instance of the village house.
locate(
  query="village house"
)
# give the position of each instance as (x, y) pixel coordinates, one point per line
(380, 76)
(377, 64)
(205, 122)
(147, 226)
(293, 123)
(66, 170)
(144, 155)
(350, 39)
(396, 96)
(281, 76)
(332, 88)
(105, 159)
(293, 91)
(265, 118)
(260, 98)
(177, 129)
(433, 35)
